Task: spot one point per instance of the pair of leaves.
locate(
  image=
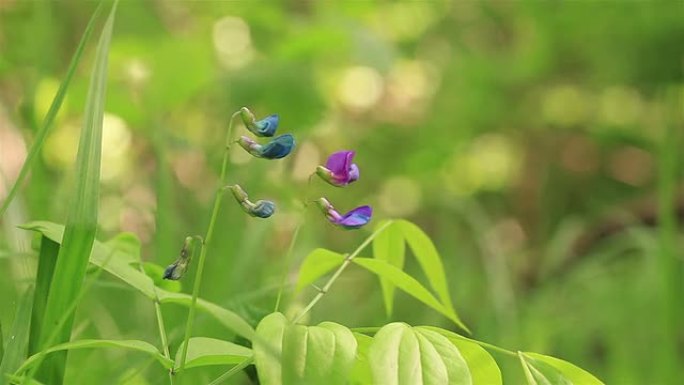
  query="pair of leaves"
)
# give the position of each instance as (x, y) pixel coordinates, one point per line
(398, 355)
(545, 370)
(321, 261)
(305, 355)
(126, 252)
(390, 246)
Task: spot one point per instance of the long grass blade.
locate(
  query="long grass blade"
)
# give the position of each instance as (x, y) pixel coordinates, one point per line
(81, 226)
(47, 258)
(49, 120)
(18, 338)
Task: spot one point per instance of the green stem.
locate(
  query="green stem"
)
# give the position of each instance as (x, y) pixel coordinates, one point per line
(339, 271)
(205, 244)
(295, 235)
(162, 334)
(235, 369)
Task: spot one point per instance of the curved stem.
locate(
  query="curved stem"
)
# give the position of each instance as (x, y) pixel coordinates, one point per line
(205, 243)
(338, 272)
(295, 235)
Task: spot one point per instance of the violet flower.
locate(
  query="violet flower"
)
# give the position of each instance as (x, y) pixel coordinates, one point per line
(354, 219)
(278, 148)
(263, 127)
(339, 170)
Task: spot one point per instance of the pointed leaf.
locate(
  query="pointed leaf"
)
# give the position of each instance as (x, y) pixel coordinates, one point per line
(361, 372)
(81, 226)
(389, 246)
(203, 351)
(136, 345)
(318, 263)
(428, 258)
(47, 258)
(569, 372)
(407, 284)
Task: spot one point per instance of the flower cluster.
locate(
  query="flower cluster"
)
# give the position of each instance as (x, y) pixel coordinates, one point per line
(277, 148)
(340, 171)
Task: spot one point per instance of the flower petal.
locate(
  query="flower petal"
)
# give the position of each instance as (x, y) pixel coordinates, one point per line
(356, 218)
(266, 126)
(278, 148)
(262, 209)
(339, 163)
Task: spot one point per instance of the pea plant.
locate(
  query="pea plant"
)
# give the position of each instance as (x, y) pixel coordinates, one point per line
(284, 351)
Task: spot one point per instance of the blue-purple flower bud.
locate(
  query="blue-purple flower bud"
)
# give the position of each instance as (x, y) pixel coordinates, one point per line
(259, 209)
(277, 148)
(263, 127)
(176, 270)
(354, 219)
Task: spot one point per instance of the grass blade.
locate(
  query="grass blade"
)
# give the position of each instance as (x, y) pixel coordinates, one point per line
(79, 233)
(47, 258)
(18, 339)
(49, 120)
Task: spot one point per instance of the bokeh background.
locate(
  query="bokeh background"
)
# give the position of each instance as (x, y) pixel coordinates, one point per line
(529, 139)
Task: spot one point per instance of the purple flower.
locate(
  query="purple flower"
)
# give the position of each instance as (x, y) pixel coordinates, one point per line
(354, 219)
(339, 170)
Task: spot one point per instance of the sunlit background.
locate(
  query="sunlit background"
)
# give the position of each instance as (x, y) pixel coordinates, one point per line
(524, 137)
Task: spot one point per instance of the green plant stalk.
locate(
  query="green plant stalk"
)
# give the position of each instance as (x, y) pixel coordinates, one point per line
(669, 265)
(207, 238)
(234, 370)
(339, 271)
(49, 120)
(288, 263)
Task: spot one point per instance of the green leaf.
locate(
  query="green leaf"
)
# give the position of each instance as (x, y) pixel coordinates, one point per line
(483, 368)
(17, 342)
(568, 372)
(203, 351)
(118, 266)
(81, 225)
(389, 246)
(428, 258)
(267, 347)
(318, 263)
(47, 258)
(313, 355)
(408, 284)
(49, 120)
(532, 376)
(135, 345)
(401, 355)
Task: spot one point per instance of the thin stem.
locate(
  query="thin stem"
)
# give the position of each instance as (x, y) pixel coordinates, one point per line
(295, 235)
(235, 369)
(347, 260)
(205, 243)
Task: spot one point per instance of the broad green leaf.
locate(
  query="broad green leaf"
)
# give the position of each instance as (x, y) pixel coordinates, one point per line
(203, 351)
(389, 246)
(49, 120)
(569, 373)
(361, 373)
(482, 366)
(318, 263)
(47, 258)
(402, 355)
(313, 355)
(408, 284)
(136, 345)
(267, 347)
(128, 244)
(17, 342)
(429, 259)
(81, 225)
(118, 266)
(534, 376)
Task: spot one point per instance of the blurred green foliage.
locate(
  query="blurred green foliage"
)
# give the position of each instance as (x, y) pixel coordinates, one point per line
(524, 137)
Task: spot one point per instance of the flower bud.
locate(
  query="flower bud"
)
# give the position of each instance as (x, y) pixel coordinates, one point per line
(263, 127)
(176, 270)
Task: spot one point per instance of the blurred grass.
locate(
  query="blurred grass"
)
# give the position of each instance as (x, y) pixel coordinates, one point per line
(543, 120)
